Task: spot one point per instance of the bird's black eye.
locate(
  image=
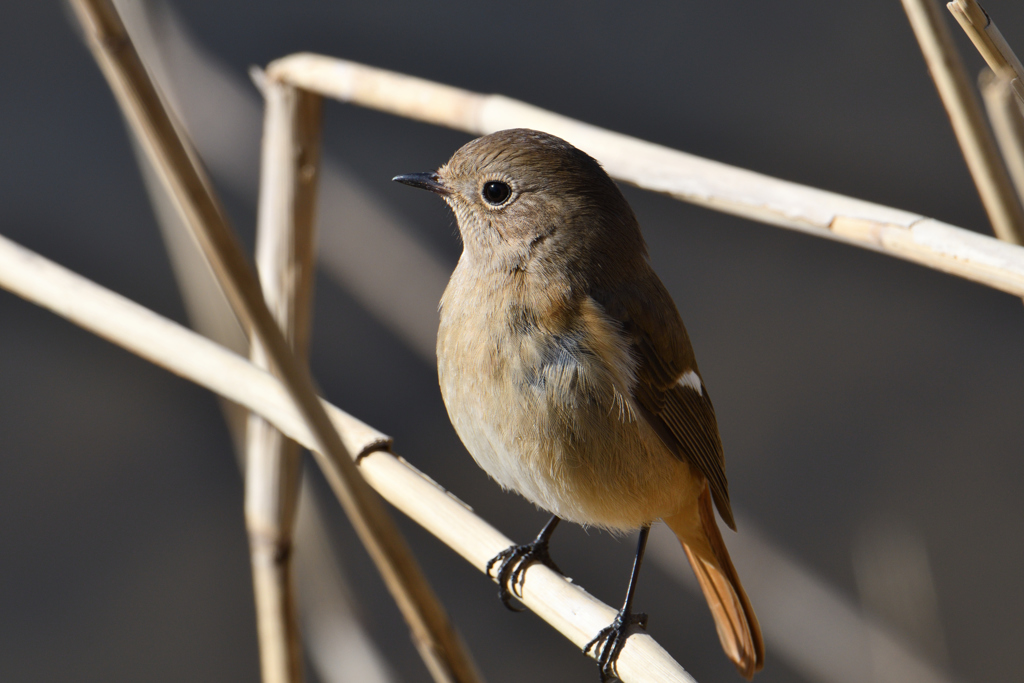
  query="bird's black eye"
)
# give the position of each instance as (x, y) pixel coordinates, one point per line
(495, 192)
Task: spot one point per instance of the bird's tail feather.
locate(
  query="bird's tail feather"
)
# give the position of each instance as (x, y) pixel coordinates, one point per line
(735, 620)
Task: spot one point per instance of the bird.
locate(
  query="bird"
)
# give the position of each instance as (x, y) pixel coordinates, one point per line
(569, 376)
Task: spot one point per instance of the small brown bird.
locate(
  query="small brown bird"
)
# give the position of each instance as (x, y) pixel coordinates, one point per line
(569, 376)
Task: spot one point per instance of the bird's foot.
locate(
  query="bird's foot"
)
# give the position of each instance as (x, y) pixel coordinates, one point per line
(609, 642)
(512, 565)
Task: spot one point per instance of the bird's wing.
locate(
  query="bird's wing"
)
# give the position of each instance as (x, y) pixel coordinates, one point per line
(675, 402)
(669, 391)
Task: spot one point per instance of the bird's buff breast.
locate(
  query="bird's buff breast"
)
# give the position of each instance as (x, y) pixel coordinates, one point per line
(549, 414)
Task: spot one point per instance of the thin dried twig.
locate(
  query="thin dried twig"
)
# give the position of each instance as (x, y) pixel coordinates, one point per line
(684, 176)
(964, 110)
(176, 164)
(1007, 119)
(982, 31)
(567, 607)
(334, 637)
(284, 258)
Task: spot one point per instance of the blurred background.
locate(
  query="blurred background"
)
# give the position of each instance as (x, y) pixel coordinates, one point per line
(870, 409)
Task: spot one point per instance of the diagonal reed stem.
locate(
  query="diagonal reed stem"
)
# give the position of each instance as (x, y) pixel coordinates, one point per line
(715, 185)
(982, 31)
(1006, 115)
(176, 164)
(1002, 89)
(571, 610)
(965, 114)
(284, 258)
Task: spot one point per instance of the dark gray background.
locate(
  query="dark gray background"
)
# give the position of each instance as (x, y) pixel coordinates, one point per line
(849, 386)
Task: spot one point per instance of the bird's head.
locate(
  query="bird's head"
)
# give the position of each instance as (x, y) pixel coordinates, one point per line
(525, 199)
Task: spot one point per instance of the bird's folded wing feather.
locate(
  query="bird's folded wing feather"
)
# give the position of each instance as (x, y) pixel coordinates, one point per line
(677, 405)
(669, 391)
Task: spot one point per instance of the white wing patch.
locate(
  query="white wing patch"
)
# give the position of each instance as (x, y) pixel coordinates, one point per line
(692, 381)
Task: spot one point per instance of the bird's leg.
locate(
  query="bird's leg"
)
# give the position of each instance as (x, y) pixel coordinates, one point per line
(609, 642)
(515, 560)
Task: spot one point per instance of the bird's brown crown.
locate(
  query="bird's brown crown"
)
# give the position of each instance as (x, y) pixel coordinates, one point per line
(524, 197)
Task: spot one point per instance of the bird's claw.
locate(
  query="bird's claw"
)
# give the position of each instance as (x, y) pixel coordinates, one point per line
(609, 642)
(514, 561)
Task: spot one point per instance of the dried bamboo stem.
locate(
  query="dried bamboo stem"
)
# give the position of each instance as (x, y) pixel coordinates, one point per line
(982, 31)
(285, 259)
(1007, 119)
(964, 110)
(718, 186)
(333, 637)
(176, 164)
(567, 607)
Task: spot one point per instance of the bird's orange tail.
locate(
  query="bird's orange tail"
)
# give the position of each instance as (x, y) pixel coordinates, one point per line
(734, 617)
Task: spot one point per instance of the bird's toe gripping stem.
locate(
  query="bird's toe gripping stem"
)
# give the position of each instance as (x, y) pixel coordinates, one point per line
(516, 559)
(609, 642)
(512, 565)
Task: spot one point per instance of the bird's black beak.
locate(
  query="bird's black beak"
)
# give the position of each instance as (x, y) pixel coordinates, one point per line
(428, 181)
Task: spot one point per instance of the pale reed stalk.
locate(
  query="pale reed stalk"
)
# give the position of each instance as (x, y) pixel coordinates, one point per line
(285, 241)
(965, 114)
(718, 186)
(334, 638)
(1007, 119)
(1002, 88)
(571, 610)
(176, 164)
(982, 31)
